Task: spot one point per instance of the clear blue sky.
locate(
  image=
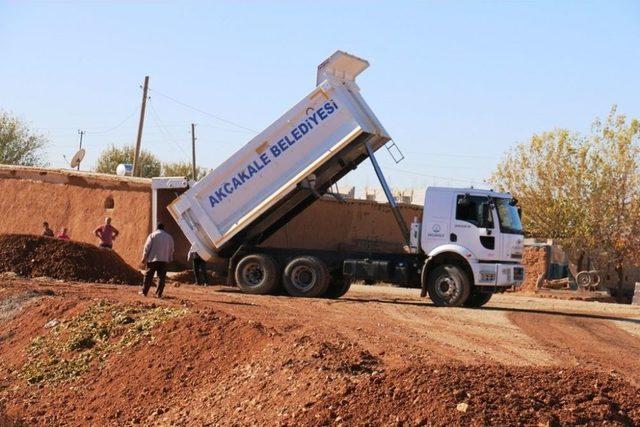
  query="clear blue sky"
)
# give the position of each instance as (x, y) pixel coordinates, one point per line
(455, 83)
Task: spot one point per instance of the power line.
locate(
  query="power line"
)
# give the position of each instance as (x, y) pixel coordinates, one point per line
(114, 127)
(429, 176)
(170, 138)
(471, 156)
(206, 113)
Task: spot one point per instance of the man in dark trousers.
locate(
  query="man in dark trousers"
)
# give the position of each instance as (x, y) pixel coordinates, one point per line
(199, 267)
(157, 253)
(107, 233)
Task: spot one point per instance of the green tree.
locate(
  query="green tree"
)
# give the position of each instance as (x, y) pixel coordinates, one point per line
(18, 144)
(581, 190)
(182, 169)
(111, 157)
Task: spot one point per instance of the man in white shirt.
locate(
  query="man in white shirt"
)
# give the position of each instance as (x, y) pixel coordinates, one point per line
(157, 253)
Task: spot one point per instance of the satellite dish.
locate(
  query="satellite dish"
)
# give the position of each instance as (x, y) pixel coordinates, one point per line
(77, 158)
(124, 169)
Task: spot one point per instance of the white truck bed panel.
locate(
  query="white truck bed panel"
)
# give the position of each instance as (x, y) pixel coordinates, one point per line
(275, 162)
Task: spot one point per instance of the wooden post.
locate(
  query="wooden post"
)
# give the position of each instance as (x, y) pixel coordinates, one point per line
(136, 156)
(193, 150)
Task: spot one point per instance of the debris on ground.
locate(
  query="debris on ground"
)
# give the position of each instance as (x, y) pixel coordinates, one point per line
(37, 256)
(186, 277)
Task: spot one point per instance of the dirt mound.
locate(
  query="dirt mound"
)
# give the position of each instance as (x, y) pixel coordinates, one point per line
(190, 366)
(35, 256)
(103, 355)
(483, 395)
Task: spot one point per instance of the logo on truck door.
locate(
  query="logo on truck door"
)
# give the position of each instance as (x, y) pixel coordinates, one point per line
(294, 136)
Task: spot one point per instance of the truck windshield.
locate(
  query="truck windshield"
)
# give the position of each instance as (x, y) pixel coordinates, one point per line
(508, 216)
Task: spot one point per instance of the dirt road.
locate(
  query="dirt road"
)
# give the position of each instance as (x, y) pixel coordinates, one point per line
(213, 356)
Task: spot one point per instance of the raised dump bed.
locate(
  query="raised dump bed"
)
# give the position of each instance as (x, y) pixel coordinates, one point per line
(284, 168)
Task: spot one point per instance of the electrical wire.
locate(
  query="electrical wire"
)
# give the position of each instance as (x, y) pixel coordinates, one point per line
(469, 181)
(114, 127)
(206, 113)
(161, 126)
(471, 156)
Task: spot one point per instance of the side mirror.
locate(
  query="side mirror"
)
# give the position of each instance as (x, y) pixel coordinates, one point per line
(520, 213)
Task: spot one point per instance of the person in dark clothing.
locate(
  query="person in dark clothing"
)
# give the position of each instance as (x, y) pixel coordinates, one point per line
(46, 231)
(199, 267)
(157, 253)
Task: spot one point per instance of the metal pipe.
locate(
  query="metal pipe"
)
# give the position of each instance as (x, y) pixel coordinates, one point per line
(387, 192)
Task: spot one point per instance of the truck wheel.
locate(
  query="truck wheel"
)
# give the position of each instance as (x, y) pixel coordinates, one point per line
(257, 274)
(477, 299)
(448, 286)
(337, 288)
(306, 277)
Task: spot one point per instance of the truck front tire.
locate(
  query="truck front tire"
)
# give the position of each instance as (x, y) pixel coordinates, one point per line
(306, 277)
(477, 299)
(448, 286)
(257, 274)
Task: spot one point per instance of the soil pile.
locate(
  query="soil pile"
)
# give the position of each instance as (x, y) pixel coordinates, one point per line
(209, 367)
(35, 256)
(103, 355)
(534, 260)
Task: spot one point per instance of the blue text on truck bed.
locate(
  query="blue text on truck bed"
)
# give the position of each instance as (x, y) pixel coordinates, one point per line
(294, 136)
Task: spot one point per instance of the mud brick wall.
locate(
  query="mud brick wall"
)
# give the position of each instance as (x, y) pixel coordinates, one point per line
(79, 201)
(535, 261)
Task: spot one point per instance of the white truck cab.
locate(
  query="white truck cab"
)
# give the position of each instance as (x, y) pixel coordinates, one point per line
(477, 230)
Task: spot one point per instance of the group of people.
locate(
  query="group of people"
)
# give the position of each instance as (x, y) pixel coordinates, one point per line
(105, 232)
(48, 232)
(156, 254)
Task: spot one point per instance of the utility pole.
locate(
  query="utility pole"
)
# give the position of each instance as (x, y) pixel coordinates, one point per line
(193, 149)
(136, 156)
(81, 133)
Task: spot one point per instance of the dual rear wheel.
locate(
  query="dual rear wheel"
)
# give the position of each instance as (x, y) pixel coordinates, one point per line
(305, 276)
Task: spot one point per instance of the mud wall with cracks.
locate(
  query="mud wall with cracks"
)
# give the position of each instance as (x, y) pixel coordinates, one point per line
(79, 201)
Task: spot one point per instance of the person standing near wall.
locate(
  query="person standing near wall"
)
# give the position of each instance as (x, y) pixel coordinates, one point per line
(46, 231)
(157, 253)
(62, 235)
(107, 233)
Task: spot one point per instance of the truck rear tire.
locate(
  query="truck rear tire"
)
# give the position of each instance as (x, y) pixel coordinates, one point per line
(337, 288)
(477, 299)
(448, 286)
(306, 277)
(257, 274)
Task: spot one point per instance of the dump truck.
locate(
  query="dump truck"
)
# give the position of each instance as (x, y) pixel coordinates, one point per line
(467, 246)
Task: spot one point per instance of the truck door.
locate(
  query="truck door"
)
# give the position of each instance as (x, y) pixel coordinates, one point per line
(511, 235)
(474, 226)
